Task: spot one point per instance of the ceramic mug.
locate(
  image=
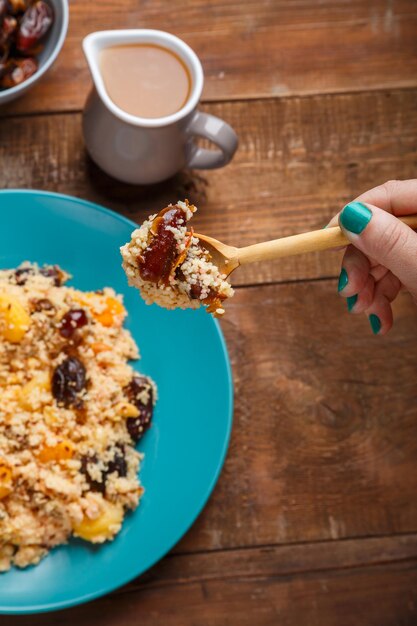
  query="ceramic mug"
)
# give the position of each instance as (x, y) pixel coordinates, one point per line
(146, 150)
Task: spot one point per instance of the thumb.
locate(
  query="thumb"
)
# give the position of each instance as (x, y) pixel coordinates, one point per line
(384, 238)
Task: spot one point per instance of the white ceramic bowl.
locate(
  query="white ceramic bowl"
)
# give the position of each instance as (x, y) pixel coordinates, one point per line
(53, 43)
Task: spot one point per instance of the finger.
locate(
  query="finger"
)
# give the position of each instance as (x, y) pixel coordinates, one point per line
(380, 236)
(389, 286)
(378, 271)
(354, 273)
(380, 315)
(380, 312)
(398, 197)
(360, 302)
(334, 221)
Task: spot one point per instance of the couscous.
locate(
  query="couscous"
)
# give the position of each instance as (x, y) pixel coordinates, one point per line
(169, 265)
(71, 411)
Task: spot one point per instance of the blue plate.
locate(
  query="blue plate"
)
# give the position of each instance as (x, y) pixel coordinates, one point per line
(183, 351)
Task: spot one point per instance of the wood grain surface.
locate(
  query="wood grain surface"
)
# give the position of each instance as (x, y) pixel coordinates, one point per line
(314, 519)
(325, 437)
(299, 161)
(254, 48)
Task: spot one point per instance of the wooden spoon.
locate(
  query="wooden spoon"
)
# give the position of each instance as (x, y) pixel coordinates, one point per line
(228, 258)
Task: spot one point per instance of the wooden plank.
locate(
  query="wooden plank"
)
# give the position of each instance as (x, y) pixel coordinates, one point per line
(299, 161)
(325, 432)
(253, 49)
(273, 561)
(253, 586)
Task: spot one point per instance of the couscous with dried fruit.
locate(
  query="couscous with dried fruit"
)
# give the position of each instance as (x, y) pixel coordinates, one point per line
(71, 411)
(170, 266)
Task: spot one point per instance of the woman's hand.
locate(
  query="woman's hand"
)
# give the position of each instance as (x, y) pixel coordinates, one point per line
(383, 254)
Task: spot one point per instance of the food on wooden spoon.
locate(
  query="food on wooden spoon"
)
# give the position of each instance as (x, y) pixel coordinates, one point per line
(169, 265)
(175, 267)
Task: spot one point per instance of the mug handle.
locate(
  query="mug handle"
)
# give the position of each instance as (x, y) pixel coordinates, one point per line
(219, 132)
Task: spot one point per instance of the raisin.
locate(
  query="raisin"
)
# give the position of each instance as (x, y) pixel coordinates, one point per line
(195, 292)
(21, 274)
(35, 23)
(68, 379)
(71, 321)
(136, 426)
(50, 271)
(54, 272)
(94, 485)
(42, 305)
(116, 465)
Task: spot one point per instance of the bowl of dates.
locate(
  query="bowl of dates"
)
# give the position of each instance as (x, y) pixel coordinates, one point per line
(32, 33)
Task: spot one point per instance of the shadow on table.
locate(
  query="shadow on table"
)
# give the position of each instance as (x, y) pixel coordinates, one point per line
(131, 199)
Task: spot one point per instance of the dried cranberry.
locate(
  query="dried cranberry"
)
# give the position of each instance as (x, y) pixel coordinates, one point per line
(136, 426)
(73, 319)
(68, 379)
(35, 23)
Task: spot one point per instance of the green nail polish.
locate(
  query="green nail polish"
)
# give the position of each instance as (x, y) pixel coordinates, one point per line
(355, 217)
(375, 323)
(343, 280)
(351, 301)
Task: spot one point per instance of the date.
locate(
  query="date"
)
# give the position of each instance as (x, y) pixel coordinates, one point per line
(34, 25)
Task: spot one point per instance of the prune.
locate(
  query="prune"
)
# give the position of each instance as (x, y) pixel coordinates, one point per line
(68, 380)
(72, 320)
(35, 23)
(116, 465)
(158, 259)
(134, 391)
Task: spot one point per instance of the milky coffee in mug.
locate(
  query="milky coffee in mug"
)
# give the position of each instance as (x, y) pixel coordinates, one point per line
(145, 80)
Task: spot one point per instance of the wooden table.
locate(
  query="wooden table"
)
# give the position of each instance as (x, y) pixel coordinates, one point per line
(314, 519)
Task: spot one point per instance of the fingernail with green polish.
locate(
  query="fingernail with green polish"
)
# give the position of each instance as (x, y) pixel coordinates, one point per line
(375, 323)
(343, 280)
(351, 301)
(355, 217)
